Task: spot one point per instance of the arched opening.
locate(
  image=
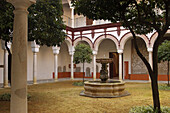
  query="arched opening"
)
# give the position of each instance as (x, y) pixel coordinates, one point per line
(88, 72)
(80, 65)
(134, 68)
(66, 60)
(107, 49)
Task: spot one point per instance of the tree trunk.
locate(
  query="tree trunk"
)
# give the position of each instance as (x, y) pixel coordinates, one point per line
(168, 73)
(152, 72)
(155, 92)
(9, 62)
(83, 72)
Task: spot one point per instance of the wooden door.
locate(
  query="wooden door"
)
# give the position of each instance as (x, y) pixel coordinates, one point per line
(114, 67)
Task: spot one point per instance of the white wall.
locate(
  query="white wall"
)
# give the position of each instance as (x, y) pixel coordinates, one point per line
(127, 54)
(45, 61)
(29, 62)
(64, 57)
(1, 62)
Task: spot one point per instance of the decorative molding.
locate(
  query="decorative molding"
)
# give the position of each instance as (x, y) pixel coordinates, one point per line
(35, 47)
(56, 49)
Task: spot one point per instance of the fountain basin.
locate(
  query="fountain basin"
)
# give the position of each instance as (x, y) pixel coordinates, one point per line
(109, 89)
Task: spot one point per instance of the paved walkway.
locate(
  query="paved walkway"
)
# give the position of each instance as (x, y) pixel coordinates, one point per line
(68, 79)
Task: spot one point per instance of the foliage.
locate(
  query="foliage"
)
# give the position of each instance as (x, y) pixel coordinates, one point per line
(6, 20)
(78, 83)
(7, 97)
(82, 54)
(164, 51)
(45, 22)
(140, 17)
(148, 109)
(164, 87)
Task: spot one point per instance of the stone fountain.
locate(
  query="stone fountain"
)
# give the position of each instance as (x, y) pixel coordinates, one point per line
(104, 88)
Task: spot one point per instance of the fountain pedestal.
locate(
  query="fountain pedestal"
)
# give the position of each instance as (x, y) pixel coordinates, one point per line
(104, 88)
(104, 71)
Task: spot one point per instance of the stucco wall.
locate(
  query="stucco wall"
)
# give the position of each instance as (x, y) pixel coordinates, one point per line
(127, 54)
(64, 59)
(138, 67)
(67, 14)
(1, 62)
(45, 63)
(29, 62)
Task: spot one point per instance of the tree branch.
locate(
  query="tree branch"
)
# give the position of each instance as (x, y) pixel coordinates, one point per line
(140, 54)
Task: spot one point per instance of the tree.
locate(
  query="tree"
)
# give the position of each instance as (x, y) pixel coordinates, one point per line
(46, 26)
(164, 54)
(6, 28)
(140, 17)
(82, 54)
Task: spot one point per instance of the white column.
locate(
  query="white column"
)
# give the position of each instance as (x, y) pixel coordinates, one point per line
(94, 22)
(94, 64)
(150, 50)
(35, 50)
(5, 63)
(19, 56)
(72, 66)
(120, 51)
(56, 52)
(72, 16)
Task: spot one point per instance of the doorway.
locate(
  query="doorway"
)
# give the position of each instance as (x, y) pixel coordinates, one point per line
(114, 66)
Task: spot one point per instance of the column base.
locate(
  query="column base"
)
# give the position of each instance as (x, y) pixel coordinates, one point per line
(72, 78)
(6, 86)
(35, 80)
(35, 83)
(56, 80)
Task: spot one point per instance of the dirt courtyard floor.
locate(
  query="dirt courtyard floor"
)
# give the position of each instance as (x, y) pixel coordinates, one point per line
(63, 97)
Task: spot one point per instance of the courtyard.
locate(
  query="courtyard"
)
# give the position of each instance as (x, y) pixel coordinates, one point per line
(63, 97)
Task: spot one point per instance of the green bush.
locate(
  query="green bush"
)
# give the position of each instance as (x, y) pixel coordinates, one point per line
(148, 109)
(78, 84)
(164, 87)
(7, 97)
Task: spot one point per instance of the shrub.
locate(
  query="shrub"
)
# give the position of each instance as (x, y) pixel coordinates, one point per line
(78, 83)
(164, 87)
(148, 109)
(7, 97)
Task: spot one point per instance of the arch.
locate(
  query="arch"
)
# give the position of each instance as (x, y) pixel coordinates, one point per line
(128, 35)
(79, 39)
(154, 37)
(59, 69)
(88, 72)
(64, 68)
(78, 69)
(68, 42)
(103, 37)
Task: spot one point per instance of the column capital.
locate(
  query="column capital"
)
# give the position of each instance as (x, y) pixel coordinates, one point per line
(71, 52)
(35, 47)
(120, 51)
(71, 5)
(3, 44)
(94, 52)
(56, 49)
(150, 49)
(21, 4)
